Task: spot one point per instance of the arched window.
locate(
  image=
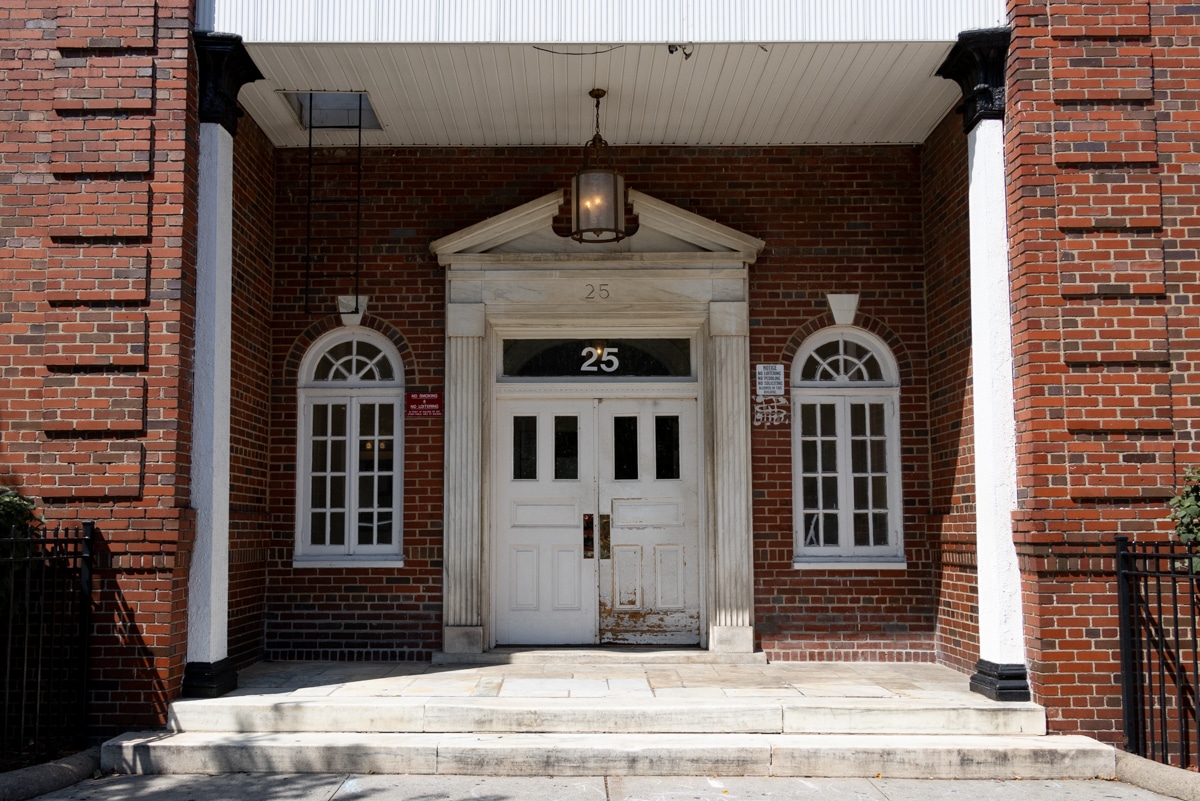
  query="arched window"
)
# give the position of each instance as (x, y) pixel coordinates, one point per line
(846, 450)
(350, 451)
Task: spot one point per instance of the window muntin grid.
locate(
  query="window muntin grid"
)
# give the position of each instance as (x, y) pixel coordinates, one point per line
(842, 361)
(354, 360)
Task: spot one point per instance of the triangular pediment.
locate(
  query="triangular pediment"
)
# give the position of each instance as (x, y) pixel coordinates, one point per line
(662, 228)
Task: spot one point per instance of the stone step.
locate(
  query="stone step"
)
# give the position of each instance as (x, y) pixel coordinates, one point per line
(541, 754)
(424, 714)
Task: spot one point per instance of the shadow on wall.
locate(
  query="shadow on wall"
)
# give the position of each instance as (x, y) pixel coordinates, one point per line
(138, 639)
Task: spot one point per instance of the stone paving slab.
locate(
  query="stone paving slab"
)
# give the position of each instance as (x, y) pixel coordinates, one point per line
(320, 787)
(588, 679)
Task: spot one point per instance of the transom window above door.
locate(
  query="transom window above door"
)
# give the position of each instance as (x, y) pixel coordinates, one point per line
(597, 358)
(350, 448)
(846, 452)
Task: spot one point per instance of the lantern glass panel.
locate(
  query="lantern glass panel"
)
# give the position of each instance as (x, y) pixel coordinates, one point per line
(598, 206)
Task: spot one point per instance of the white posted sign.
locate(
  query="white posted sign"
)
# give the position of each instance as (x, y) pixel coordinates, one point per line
(769, 379)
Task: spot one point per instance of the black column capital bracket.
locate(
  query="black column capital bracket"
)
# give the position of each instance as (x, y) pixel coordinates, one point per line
(225, 67)
(977, 63)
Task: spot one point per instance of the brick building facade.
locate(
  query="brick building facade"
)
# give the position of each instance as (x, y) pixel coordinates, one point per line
(117, 120)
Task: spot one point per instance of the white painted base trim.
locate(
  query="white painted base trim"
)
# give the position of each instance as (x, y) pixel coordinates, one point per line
(347, 563)
(808, 564)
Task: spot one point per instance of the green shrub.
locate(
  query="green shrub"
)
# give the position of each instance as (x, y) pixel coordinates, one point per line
(16, 511)
(1185, 508)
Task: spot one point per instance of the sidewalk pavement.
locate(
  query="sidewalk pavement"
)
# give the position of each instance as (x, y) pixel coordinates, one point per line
(324, 787)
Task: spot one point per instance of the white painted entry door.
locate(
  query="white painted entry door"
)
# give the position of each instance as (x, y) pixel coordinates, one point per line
(597, 522)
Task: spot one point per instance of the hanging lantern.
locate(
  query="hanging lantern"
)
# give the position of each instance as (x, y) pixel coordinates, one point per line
(597, 192)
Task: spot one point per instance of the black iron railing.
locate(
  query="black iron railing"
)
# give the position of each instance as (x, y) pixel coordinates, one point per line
(1157, 592)
(45, 622)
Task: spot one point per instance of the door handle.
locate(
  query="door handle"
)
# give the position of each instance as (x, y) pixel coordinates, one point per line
(604, 539)
(589, 540)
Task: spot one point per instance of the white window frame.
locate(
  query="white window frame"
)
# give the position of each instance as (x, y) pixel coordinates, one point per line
(353, 393)
(842, 393)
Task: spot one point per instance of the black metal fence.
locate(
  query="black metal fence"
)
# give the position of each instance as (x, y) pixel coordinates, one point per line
(1157, 587)
(45, 622)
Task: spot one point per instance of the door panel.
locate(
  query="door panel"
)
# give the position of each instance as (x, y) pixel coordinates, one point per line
(662, 512)
(546, 480)
(670, 576)
(627, 577)
(630, 469)
(647, 479)
(568, 591)
(543, 513)
(524, 582)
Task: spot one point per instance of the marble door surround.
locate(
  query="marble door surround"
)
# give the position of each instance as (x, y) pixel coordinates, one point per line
(679, 276)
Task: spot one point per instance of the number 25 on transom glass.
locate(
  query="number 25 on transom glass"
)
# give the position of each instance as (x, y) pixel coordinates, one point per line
(599, 359)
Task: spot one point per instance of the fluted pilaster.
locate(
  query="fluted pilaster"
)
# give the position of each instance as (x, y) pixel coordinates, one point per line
(462, 592)
(732, 610)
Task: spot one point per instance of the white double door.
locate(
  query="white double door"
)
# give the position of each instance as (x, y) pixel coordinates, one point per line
(596, 522)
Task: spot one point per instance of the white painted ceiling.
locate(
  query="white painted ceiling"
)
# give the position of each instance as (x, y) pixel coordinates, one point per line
(729, 93)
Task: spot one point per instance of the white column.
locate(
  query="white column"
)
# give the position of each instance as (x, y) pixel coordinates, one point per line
(731, 584)
(208, 579)
(1001, 636)
(462, 588)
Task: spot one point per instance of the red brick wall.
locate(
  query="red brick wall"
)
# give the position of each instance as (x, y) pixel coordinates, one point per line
(952, 476)
(855, 225)
(359, 614)
(1101, 121)
(250, 522)
(834, 220)
(96, 244)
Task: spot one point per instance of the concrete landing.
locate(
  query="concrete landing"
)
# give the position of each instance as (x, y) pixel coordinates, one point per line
(630, 715)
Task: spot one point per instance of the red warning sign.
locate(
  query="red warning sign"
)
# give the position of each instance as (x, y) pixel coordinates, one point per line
(424, 404)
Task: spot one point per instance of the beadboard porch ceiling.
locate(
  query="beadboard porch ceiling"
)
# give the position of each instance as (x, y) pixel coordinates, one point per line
(485, 73)
(721, 94)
